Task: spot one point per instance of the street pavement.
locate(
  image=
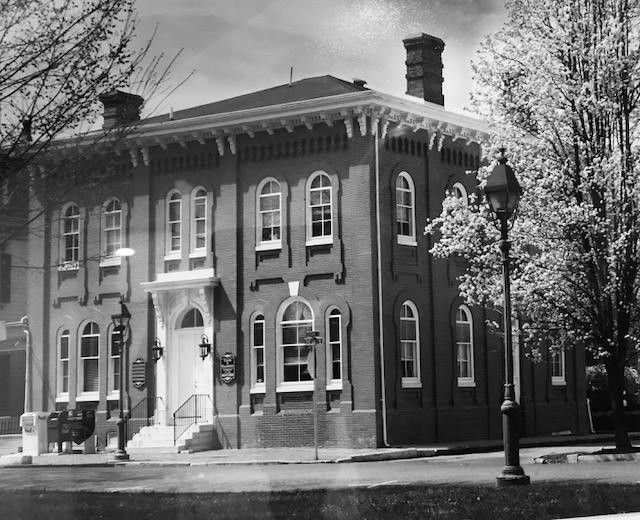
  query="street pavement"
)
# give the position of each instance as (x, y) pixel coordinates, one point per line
(476, 469)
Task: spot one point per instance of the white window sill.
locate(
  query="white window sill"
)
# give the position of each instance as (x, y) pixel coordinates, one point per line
(258, 389)
(69, 266)
(319, 241)
(111, 261)
(198, 254)
(88, 396)
(269, 246)
(62, 397)
(407, 241)
(411, 382)
(113, 396)
(307, 386)
(466, 383)
(334, 385)
(173, 256)
(558, 381)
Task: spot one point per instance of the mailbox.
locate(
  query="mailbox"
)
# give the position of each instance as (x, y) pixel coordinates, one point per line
(34, 433)
(82, 423)
(58, 430)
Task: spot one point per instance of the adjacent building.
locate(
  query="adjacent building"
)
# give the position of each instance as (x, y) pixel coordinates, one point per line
(255, 220)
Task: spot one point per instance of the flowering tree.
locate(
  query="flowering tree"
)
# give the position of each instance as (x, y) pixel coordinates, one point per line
(559, 85)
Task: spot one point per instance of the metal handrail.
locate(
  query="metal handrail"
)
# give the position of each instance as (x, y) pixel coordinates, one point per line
(192, 411)
(145, 409)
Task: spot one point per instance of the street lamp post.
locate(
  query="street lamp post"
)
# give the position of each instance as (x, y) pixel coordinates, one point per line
(120, 324)
(313, 339)
(503, 193)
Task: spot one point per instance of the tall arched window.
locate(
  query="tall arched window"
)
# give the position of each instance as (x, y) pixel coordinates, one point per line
(319, 209)
(112, 227)
(174, 224)
(295, 323)
(63, 362)
(89, 358)
(257, 354)
(334, 349)
(409, 345)
(269, 215)
(405, 210)
(460, 192)
(464, 346)
(71, 233)
(558, 377)
(199, 222)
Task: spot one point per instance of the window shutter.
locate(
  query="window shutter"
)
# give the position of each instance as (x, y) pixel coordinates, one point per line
(5, 277)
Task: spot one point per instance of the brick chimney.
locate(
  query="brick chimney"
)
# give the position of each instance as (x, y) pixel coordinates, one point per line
(424, 67)
(120, 108)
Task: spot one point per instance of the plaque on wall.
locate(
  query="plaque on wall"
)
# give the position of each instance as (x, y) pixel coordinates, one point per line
(139, 373)
(227, 367)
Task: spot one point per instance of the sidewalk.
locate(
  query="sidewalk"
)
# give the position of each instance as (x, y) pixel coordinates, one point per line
(303, 455)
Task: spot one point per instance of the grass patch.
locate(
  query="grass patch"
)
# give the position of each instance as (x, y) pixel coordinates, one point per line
(538, 501)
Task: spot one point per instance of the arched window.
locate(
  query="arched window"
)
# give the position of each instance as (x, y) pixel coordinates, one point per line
(199, 222)
(460, 192)
(257, 354)
(89, 358)
(319, 209)
(71, 233)
(334, 350)
(192, 319)
(464, 346)
(558, 377)
(63, 362)
(114, 362)
(174, 224)
(112, 219)
(296, 321)
(269, 215)
(409, 345)
(405, 210)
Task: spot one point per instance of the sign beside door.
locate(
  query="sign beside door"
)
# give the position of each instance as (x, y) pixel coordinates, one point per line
(227, 368)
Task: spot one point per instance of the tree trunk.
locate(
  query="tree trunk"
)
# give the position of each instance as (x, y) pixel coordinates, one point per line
(615, 376)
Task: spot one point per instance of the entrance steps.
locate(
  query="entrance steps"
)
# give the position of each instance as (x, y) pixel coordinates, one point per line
(159, 438)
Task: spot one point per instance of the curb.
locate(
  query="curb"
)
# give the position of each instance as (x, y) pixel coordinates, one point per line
(577, 458)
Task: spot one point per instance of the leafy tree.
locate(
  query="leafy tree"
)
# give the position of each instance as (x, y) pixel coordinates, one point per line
(57, 58)
(559, 85)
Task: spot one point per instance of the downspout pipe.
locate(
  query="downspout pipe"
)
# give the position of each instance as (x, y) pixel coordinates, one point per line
(383, 381)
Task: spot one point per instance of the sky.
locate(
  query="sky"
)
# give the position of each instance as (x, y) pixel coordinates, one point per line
(232, 47)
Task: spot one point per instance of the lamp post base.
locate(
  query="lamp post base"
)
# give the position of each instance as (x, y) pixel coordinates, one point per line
(512, 476)
(121, 455)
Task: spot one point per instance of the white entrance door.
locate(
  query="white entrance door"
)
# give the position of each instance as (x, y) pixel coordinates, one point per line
(189, 374)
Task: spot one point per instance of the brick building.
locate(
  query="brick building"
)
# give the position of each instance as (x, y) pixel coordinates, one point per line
(256, 219)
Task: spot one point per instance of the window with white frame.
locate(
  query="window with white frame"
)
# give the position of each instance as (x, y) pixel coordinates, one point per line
(71, 234)
(112, 227)
(63, 362)
(174, 224)
(114, 361)
(257, 354)
(296, 322)
(409, 345)
(319, 209)
(199, 222)
(269, 215)
(89, 358)
(405, 210)
(464, 346)
(558, 367)
(334, 349)
(460, 192)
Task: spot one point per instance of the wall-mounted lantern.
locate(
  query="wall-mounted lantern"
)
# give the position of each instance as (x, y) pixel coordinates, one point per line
(157, 350)
(205, 346)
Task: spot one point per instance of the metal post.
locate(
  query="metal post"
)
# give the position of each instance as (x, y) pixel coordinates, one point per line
(315, 405)
(512, 473)
(121, 453)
